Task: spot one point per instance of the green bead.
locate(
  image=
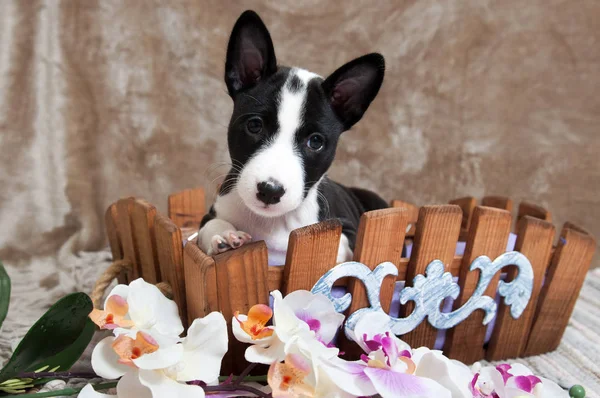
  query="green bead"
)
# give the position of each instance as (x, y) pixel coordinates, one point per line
(577, 391)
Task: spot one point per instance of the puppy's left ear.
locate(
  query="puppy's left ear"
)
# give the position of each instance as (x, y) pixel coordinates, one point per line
(353, 87)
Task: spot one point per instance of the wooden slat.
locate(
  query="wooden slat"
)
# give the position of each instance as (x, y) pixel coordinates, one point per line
(142, 226)
(534, 240)
(533, 210)
(200, 283)
(241, 283)
(380, 238)
(564, 279)
(467, 205)
(124, 207)
(499, 202)
(275, 277)
(169, 249)
(186, 208)
(435, 239)
(312, 251)
(488, 235)
(413, 215)
(110, 221)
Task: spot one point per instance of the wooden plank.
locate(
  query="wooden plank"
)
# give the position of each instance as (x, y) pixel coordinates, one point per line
(488, 235)
(565, 276)
(467, 205)
(200, 283)
(142, 226)
(241, 283)
(124, 207)
(312, 251)
(186, 208)
(380, 238)
(499, 202)
(435, 239)
(114, 240)
(413, 215)
(170, 258)
(533, 210)
(534, 240)
(275, 278)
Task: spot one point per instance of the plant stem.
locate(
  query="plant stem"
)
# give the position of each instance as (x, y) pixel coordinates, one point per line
(233, 387)
(67, 391)
(57, 375)
(245, 373)
(247, 378)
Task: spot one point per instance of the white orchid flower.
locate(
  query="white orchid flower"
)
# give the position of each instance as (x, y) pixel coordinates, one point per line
(300, 313)
(301, 373)
(140, 307)
(149, 370)
(512, 381)
(387, 368)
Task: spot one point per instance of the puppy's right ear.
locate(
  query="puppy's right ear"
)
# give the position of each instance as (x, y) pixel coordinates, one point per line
(250, 53)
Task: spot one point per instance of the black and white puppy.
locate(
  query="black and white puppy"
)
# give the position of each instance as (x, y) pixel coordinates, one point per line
(282, 139)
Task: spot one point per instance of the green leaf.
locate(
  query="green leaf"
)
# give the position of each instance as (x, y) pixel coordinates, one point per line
(57, 339)
(4, 293)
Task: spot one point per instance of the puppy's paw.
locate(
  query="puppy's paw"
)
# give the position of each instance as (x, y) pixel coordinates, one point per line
(228, 240)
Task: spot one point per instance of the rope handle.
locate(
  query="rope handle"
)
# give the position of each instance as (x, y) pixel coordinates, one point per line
(111, 273)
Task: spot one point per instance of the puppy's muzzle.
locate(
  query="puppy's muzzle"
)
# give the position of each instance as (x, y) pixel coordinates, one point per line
(269, 192)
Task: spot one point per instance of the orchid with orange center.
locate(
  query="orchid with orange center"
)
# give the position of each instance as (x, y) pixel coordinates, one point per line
(287, 378)
(129, 349)
(254, 323)
(300, 313)
(113, 316)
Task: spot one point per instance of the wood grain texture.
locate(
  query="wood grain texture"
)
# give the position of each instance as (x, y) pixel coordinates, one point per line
(567, 270)
(435, 239)
(186, 208)
(467, 205)
(130, 253)
(312, 251)
(533, 210)
(169, 249)
(413, 215)
(275, 278)
(488, 235)
(534, 241)
(499, 202)
(242, 282)
(200, 283)
(114, 240)
(142, 226)
(380, 238)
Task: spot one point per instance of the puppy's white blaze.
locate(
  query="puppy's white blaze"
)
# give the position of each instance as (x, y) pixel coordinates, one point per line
(280, 159)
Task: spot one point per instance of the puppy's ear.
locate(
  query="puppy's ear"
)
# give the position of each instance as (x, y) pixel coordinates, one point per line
(353, 87)
(250, 53)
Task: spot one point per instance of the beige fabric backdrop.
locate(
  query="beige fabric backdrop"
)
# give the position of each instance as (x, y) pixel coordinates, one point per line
(102, 99)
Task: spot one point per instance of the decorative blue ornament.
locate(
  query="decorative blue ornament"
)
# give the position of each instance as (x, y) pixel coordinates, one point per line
(429, 291)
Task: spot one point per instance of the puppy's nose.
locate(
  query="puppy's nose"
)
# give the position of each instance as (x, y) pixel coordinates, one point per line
(269, 192)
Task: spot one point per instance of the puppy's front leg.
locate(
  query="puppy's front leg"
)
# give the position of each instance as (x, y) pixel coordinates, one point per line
(344, 250)
(218, 236)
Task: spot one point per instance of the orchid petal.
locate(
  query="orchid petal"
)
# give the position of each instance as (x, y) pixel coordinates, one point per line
(204, 348)
(373, 324)
(549, 389)
(131, 386)
(150, 309)
(266, 354)
(349, 376)
(454, 376)
(105, 360)
(119, 290)
(89, 392)
(393, 384)
(161, 358)
(287, 324)
(317, 311)
(162, 386)
(244, 337)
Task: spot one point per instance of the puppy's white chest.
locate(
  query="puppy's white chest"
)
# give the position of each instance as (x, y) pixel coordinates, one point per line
(274, 231)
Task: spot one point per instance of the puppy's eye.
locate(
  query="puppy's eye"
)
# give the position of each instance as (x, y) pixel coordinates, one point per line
(315, 142)
(254, 125)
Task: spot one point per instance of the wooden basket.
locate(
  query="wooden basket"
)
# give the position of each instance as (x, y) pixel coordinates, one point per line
(238, 279)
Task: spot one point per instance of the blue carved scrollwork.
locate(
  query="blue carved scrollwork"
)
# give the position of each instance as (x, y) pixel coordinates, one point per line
(428, 291)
